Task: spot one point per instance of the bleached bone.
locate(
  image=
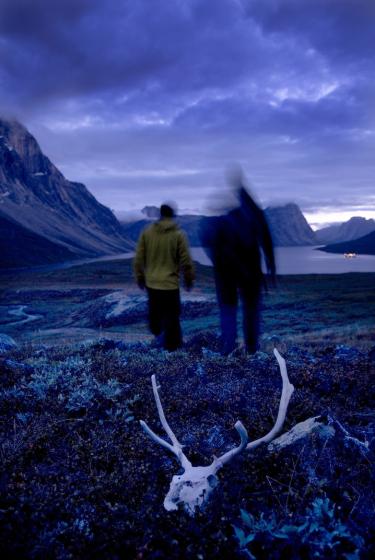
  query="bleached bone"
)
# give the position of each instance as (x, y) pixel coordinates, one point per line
(195, 484)
(286, 394)
(300, 432)
(193, 487)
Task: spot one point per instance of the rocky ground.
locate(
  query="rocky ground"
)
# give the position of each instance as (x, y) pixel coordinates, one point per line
(101, 300)
(80, 479)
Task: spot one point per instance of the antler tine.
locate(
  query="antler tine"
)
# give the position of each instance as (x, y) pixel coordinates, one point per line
(176, 447)
(156, 438)
(193, 487)
(228, 456)
(162, 417)
(286, 394)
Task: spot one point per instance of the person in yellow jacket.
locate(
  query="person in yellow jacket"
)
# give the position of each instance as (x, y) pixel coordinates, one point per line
(162, 254)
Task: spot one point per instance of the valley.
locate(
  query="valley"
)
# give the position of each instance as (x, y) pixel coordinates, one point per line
(100, 299)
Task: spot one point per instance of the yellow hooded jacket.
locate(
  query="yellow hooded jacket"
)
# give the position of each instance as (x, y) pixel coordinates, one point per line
(162, 252)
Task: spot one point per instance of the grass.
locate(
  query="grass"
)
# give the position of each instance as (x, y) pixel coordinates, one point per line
(337, 307)
(80, 479)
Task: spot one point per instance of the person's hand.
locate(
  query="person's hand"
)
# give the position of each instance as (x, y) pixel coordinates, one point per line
(188, 285)
(141, 284)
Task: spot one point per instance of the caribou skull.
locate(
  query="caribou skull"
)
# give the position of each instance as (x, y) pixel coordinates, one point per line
(193, 487)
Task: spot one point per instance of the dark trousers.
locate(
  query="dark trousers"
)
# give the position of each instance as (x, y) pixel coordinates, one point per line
(164, 308)
(228, 294)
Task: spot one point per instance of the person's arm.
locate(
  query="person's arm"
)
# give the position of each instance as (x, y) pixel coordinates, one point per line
(208, 235)
(267, 247)
(139, 262)
(185, 261)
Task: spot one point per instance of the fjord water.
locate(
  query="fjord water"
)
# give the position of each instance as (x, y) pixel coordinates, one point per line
(289, 260)
(308, 260)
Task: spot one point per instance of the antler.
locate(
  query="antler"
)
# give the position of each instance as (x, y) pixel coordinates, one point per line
(233, 452)
(286, 394)
(193, 487)
(176, 447)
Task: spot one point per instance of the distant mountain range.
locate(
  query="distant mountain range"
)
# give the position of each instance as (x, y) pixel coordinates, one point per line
(45, 218)
(51, 218)
(363, 246)
(287, 224)
(352, 229)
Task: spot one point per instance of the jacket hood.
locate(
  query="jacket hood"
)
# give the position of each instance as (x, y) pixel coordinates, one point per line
(165, 224)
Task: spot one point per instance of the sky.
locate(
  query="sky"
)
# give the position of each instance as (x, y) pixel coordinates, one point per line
(152, 100)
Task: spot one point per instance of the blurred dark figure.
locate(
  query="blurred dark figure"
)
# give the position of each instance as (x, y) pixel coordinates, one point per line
(163, 251)
(234, 242)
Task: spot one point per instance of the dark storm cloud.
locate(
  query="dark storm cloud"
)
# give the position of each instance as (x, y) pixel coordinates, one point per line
(89, 47)
(341, 29)
(143, 97)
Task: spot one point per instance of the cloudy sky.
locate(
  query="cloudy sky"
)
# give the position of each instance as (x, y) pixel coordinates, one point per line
(146, 100)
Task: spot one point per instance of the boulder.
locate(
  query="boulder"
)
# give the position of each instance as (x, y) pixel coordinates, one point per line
(6, 343)
(302, 431)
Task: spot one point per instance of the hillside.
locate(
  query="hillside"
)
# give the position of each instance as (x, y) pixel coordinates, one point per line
(289, 226)
(354, 228)
(20, 247)
(362, 246)
(81, 479)
(36, 196)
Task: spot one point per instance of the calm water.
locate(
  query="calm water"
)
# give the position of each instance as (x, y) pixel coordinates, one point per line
(307, 260)
(289, 260)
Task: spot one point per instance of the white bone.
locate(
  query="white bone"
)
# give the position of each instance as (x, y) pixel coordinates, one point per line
(286, 394)
(192, 488)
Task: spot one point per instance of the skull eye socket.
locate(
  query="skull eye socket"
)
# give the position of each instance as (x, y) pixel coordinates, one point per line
(212, 480)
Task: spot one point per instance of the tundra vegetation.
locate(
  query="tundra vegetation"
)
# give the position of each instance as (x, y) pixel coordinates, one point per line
(80, 478)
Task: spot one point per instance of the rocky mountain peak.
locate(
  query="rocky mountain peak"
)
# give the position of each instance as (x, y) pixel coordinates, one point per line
(37, 196)
(354, 228)
(19, 139)
(289, 226)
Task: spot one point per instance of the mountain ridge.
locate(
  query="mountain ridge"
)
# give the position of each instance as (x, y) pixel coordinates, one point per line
(36, 195)
(363, 246)
(287, 223)
(289, 226)
(21, 247)
(354, 228)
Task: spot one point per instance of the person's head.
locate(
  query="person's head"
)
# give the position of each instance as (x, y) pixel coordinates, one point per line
(237, 180)
(246, 200)
(167, 211)
(235, 176)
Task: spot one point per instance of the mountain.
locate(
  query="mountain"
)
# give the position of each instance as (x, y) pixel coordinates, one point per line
(354, 228)
(132, 230)
(192, 225)
(287, 224)
(20, 247)
(151, 211)
(36, 196)
(189, 223)
(363, 246)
